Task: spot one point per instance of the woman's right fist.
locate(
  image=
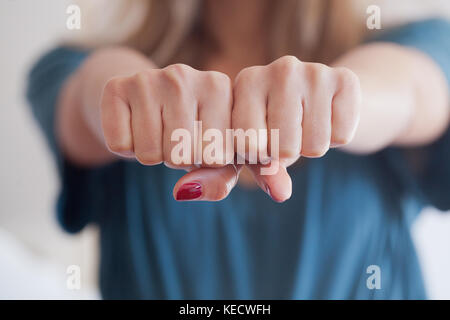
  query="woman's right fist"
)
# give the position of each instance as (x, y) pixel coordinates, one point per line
(140, 112)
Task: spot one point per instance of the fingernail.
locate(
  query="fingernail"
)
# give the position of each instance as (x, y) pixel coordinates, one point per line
(189, 191)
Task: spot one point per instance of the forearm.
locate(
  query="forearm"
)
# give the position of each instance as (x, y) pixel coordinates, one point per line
(78, 119)
(405, 97)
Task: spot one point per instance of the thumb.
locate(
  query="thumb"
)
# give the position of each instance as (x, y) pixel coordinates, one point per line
(273, 179)
(207, 184)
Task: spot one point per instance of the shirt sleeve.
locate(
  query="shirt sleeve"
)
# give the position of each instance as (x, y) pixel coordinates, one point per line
(76, 205)
(424, 171)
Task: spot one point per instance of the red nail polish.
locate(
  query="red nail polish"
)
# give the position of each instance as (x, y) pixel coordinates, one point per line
(189, 191)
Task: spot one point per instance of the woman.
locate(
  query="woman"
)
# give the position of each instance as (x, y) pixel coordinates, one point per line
(380, 109)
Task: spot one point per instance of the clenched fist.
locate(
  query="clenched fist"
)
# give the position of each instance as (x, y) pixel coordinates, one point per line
(141, 112)
(313, 106)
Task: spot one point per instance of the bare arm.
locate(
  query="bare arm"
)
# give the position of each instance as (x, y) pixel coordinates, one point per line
(405, 97)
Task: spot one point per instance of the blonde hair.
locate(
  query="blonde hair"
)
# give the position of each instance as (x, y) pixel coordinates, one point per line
(170, 31)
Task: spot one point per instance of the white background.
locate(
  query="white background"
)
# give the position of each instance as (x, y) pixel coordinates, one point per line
(34, 252)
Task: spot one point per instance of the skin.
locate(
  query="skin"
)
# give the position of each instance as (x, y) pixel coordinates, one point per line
(119, 104)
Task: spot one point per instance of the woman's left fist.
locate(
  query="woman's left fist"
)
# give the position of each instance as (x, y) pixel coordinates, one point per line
(314, 106)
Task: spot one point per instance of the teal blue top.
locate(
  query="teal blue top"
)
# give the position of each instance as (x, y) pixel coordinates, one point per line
(346, 213)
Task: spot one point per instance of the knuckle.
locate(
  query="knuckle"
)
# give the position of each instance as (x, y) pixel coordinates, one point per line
(138, 84)
(173, 82)
(245, 81)
(114, 87)
(218, 80)
(319, 68)
(140, 79)
(287, 65)
(289, 60)
(176, 76)
(317, 73)
(349, 81)
(347, 77)
(247, 75)
(179, 70)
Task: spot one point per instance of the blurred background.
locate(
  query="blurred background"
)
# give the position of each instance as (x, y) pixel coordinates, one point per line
(35, 254)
